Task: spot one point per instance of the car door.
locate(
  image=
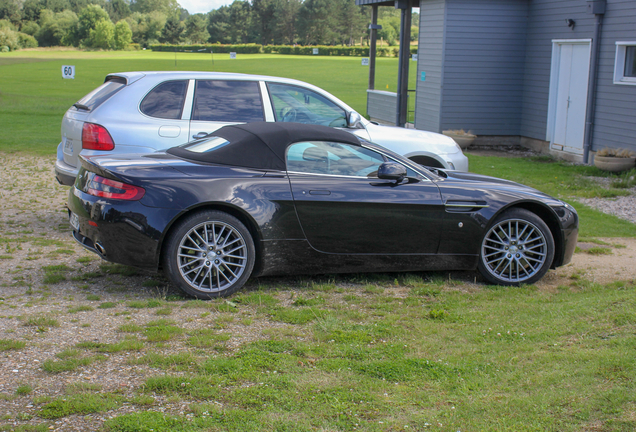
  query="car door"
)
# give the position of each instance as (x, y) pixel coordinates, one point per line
(296, 104)
(344, 208)
(219, 103)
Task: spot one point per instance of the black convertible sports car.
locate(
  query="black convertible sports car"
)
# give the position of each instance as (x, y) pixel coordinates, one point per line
(283, 198)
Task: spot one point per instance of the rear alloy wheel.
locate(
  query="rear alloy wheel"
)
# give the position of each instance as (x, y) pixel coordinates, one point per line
(518, 248)
(210, 254)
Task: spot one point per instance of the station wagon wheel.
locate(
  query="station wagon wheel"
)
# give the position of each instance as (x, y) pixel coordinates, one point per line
(210, 254)
(518, 248)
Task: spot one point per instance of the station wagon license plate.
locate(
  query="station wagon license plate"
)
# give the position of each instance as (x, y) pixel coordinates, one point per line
(74, 220)
(68, 146)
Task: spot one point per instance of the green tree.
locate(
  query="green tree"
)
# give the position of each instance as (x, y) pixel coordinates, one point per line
(168, 7)
(264, 23)
(118, 10)
(390, 29)
(352, 21)
(88, 19)
(123, 35)
(316, 22)
(285, 17)
(11, 10)
(102, 36)
(172, 31)
(31, 8)
(30, 28)
(146, 28)
(78, 5)
(56, 28)
(241, 20)
(219, 25)
(196, 28)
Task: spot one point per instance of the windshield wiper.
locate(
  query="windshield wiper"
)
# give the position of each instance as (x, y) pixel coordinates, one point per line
(81, 106)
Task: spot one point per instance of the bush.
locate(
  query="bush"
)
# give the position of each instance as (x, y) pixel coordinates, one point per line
(27, 41)
(9, 38)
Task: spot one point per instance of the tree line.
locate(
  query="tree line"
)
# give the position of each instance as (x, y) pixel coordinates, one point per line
(120, 24)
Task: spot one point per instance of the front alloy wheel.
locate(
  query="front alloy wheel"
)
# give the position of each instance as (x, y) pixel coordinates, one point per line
(518, 248)
(210, 254)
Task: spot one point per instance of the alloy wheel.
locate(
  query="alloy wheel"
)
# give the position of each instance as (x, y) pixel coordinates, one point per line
(514, 250)
(212, 256)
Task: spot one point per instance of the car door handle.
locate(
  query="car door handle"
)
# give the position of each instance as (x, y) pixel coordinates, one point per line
(319, 192)
(200, 135)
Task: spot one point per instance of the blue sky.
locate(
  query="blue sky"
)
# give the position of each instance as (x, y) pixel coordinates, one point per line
(204, 6)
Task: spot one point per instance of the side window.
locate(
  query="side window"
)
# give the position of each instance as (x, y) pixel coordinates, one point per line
(166, 100)
(317, 157)
(227, 101)
(299, 105)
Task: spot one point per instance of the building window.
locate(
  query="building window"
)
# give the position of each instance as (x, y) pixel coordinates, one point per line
(625, 64)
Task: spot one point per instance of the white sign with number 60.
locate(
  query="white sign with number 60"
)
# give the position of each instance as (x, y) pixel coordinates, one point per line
(68, 72)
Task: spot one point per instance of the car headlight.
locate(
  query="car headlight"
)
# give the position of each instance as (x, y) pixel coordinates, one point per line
(569, 207)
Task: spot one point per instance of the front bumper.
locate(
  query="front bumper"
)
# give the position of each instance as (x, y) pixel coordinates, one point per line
(457, 161)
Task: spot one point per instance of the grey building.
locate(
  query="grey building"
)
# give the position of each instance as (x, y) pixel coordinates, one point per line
(549, 74)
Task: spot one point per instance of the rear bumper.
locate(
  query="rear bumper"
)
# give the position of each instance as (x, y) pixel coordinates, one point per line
(64, 173)
(124, 232)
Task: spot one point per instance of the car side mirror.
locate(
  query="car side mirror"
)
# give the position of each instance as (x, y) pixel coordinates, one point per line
(354, 121)
(391, 171)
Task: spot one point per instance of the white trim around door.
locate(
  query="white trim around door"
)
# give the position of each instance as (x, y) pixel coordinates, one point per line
(567, 101)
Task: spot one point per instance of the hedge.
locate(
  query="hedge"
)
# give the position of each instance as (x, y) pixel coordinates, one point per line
(283, 49)
(216, 48)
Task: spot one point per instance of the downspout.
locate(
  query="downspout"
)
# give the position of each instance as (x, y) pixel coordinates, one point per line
(403, 61)
(374, 27)
(597, 7)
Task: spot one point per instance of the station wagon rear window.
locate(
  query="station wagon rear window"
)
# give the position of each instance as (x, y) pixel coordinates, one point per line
(166, 100)
(101, 94)
(227, 101)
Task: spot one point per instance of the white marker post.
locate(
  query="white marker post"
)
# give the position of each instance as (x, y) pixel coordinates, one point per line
(365, 62)
(233, 55)
(68, 72)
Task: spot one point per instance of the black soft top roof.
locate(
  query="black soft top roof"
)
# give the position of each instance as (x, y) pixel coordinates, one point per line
(262, 145)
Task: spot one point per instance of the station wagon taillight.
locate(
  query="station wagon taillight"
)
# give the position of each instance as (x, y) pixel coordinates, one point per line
(106, 188)
(96, 137)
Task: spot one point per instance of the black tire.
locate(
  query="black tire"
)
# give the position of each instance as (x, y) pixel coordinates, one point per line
(518, 248)
(209, 254)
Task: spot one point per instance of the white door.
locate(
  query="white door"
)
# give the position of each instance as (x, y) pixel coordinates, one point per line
(568, 95)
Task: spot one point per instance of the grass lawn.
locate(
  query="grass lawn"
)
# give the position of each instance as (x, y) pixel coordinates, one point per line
(365, 352)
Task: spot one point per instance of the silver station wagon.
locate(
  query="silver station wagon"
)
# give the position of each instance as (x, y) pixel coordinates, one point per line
(143, 112)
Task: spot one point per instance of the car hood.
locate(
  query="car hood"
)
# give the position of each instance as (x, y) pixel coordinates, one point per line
(454, 181)
(408, 142)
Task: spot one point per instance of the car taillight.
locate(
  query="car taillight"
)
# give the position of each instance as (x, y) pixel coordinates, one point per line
(102, 187)
(96, 137)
